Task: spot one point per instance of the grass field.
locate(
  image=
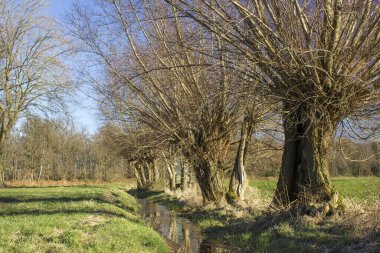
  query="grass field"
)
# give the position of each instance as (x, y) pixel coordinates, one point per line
(100, 218)
(73, 219)
(359, 188)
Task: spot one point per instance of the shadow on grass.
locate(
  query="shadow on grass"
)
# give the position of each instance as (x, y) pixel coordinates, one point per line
(52, 186)
(9, 200)
(49, 199)
(52, 212)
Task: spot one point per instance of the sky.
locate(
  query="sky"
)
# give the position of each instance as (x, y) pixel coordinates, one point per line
(82, 108)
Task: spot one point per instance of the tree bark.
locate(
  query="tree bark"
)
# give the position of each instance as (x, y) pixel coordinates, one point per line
(172, 178)
(3, 139)
(304, 172)
(2, 178)
(2, 169)
(206, 158)
(238, 179)
(145, 174)
(142, 174)
(170, 166)
(184, 174)
(209, 178)
(156, 173)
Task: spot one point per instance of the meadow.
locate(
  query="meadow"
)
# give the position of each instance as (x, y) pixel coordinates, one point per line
(357, 188)
(73, 219)
(102, 218)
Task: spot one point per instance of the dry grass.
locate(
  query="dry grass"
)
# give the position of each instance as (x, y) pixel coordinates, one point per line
(356, 229)
(361, 220)
(252, 224)
(254, 199)
(191, 197)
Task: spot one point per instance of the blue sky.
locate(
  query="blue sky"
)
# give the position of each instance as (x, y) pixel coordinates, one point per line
(82, 108)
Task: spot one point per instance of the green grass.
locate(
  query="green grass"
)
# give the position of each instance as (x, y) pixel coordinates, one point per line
(359, 188)
(73, 219)
(266, 186)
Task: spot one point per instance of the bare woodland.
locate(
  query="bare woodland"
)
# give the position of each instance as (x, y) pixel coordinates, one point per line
(32, 74)
(209, 91)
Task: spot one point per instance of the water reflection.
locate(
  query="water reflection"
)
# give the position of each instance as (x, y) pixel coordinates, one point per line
(181, 235)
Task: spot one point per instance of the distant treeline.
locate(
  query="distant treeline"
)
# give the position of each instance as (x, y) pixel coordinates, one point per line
(45, 149)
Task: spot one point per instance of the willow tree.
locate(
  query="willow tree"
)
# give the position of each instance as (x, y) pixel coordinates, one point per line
(168, 74)
(319, 58)
(32, 74)
(254, 117)
(141, 158)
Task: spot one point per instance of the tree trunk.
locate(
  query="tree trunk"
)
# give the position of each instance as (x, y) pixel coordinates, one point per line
(2, 169)
(149, 167)
(172, 173)
(304, 172)
(184, 174)
(140, 175)
(2, 159)
(144, 173)
(172, 183)
(206, 158)
(238, 179)
(172, 178)
(138, 180)
(2, 178)
(209, 178)
(156, 173)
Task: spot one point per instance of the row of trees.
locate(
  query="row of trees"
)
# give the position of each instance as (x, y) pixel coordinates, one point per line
(199, 76)
(192, 82)
(46, 149)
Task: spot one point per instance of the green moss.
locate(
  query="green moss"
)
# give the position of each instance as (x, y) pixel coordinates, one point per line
(231, 197)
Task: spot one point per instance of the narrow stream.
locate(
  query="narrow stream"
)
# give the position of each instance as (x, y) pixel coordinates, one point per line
(181, 235)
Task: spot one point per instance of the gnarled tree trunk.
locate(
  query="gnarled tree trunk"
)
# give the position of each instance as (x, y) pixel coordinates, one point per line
(238, 180)
(172, 177)
(144, 173)
(205, 155)
(304, 172)
(209, 177)
(170, 166)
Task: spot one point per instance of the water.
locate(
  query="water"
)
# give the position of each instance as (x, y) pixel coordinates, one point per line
(181, 235)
